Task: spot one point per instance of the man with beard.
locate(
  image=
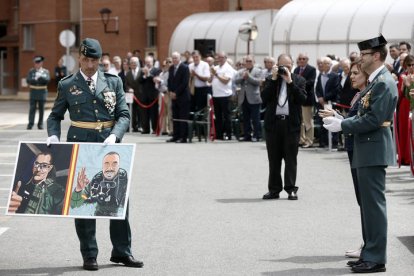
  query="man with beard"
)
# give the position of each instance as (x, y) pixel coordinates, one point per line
(107, 188)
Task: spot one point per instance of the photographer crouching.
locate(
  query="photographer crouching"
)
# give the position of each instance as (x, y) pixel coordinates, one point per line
(283, 94)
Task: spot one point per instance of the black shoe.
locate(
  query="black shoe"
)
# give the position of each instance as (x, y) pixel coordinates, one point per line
(90, 264)
(354, 263)
(271, 195)
(29, 127)
(135, 130)
(172, 140)
(293, 196)
(40, 127)
(245, 139)
(181, 141)
(368, 267)
(127, 261)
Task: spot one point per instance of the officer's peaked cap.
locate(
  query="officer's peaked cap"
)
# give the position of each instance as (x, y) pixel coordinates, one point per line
(91, 47)
(372, 43)
(38, 59)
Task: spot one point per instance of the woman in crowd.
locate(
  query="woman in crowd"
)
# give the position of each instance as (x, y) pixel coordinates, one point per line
(359, 81)
(405, 83)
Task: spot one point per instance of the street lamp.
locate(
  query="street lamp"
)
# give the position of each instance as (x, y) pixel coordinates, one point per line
(248, 32)
(106, 16)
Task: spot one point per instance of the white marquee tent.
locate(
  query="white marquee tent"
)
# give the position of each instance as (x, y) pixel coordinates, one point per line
(316, 27)
(223, 27)
(322, 27)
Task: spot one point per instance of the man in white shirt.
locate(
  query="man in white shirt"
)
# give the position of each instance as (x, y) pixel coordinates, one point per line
(222, 90)
(200, 73)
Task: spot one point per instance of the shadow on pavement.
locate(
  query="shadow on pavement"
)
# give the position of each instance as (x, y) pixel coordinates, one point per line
(408, 241)
(309, 271)
(309, 259)
(47, 270)
(239, 200)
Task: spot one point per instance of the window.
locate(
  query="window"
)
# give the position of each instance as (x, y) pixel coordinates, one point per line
(28, 37)
(152, 36)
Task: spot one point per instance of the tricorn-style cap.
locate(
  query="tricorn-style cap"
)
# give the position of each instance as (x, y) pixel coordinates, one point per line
(38, 59)
(372, 43)
(91, 48)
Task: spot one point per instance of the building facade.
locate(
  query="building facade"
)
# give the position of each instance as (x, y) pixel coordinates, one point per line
(32, 27)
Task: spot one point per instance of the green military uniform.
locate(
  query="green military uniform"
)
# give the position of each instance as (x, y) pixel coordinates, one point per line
(94, 115)
(45, 198)
(373, 152)
(109, 195)
(38, 81)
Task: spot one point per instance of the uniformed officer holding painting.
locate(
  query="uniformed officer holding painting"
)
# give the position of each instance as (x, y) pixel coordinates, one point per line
(98, 113)
(37, 78)
(373, 150)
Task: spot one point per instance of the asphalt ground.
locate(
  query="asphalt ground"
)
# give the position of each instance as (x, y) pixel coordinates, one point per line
(196, 209)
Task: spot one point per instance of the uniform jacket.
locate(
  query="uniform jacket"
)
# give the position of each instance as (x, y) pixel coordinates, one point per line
(309, 74)
(373, 143)
(296, 97)
(250, 87)
(107, 104)
(179, 83)
(40, 78)
(43, 198)
(332, 87)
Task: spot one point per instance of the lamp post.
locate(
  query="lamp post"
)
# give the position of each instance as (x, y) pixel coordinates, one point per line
(248, 32)
(105, 17)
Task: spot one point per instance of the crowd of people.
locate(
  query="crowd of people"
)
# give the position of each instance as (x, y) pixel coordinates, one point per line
(236, 88)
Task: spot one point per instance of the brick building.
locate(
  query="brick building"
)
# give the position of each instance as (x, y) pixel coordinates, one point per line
(32, 27)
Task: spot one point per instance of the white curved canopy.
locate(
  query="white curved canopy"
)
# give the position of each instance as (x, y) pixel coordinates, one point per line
(322, 27)
(224, 28)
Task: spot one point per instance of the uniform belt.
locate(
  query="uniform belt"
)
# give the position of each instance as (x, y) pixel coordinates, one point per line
(386, 124)
(282, 117)
(38, 87)
(93, 125)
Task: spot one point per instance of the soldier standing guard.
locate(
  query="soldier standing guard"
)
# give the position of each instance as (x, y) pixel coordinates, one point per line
(38, 78)
(98, 113)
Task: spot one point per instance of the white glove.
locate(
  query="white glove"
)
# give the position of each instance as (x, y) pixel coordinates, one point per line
(110, 140)
(52, 139)
(332, 124)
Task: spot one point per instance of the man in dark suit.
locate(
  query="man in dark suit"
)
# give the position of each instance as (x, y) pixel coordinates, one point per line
(150, 95)
(98, 113)
(395, 55)
(373, 150)
(283, 93)
(133, 85)
(178, 81)
(308, 72)
(327, 90)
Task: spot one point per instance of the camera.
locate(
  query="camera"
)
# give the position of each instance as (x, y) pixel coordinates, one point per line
(281, 70)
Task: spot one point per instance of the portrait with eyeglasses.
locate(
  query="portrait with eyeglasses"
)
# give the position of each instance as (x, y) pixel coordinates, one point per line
(37, 189)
